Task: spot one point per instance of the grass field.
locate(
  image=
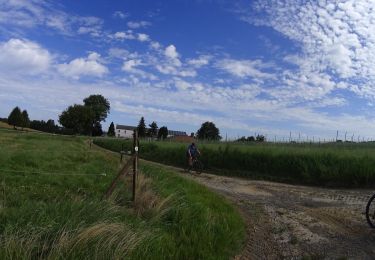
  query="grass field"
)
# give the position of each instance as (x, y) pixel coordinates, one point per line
(51, 207)
(335, 164)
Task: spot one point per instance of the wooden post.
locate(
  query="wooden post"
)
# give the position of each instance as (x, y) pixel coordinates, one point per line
(135, 160)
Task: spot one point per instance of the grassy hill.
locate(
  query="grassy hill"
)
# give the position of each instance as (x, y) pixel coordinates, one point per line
(4, 125)
(51, 207)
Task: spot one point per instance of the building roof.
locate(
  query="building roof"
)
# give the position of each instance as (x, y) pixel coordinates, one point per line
(176, 133)
(132, 128)
(126, 127)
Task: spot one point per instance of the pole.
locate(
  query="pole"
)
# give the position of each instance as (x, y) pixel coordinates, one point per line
(135, 161)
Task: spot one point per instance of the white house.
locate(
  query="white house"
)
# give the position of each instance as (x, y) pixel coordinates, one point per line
(124, 131)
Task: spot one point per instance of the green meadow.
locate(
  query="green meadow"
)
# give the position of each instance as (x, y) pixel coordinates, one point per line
(51, 206)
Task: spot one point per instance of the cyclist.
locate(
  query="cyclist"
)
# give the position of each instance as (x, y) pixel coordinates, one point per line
(191, 153)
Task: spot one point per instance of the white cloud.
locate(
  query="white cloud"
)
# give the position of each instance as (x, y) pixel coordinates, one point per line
(121, 15)
(336, 37)
(89, 66)
(124, 35)
(155, 45)
(142, 37)
(171, 52)
(24, 56)
(136, 25)
(245, 68)
(201, 61)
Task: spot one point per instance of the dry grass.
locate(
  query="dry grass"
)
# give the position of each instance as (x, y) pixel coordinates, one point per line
(147, 202)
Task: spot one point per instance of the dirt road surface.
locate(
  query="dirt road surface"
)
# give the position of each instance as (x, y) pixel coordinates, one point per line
(298, 222)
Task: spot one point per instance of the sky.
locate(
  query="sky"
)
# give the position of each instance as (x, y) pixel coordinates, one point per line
(271, 67)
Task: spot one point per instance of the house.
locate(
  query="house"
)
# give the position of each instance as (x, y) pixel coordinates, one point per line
(124, 131)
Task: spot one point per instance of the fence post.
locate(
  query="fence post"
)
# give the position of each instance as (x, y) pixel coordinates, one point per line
(135, 160)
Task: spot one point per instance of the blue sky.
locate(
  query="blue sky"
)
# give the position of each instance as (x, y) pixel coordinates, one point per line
(267, 67)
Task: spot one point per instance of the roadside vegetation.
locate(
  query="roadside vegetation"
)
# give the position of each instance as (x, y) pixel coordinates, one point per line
(51, 206)
(331, 164)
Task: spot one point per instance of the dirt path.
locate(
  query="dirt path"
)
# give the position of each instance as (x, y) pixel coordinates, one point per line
(289, 221)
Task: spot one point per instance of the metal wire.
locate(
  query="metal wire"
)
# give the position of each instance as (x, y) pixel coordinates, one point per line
(55, 173)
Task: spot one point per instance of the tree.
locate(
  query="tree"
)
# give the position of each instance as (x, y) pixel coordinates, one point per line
(100, 107)
(15, 117)
(260, 138)
(111, 130)
(163, 132)
(208, 131)
(153, 131)
(192, 134)
(141, 128)
(78, 118)
(25, 119)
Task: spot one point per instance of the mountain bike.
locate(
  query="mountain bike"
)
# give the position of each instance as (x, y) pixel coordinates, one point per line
(197, 166)
(370, 212)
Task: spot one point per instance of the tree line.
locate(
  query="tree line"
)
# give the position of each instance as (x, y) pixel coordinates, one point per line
(86, 119)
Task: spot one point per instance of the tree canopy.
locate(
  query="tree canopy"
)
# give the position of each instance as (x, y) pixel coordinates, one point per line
(99, 105)
(208, 131)
(15, 117)
(111, 130)
(25, 119)
(79, 118)
(163, 132)
(153, 131)
(141, 127)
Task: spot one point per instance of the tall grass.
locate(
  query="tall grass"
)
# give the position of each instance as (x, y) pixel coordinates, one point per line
(340, 165)
(51, 207)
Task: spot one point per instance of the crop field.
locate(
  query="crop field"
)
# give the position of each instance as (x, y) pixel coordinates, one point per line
(51, 206)
(330, 164)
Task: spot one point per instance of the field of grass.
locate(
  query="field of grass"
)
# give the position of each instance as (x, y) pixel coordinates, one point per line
(335, 164)
(51, 207)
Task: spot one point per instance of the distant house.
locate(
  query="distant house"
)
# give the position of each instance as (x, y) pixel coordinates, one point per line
(125, 131)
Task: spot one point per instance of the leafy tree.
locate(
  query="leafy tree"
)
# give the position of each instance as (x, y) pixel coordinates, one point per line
(153, 131)
(78, 118)
(260, 138)
(141, 128)
(163, 132)
(100, 106)
(25, 119)
(192, 134)
(111, 130)
(208, 131)
(250, 139)
(15, 117)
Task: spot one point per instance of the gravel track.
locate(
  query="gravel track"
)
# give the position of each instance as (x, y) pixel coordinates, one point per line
(293, 222)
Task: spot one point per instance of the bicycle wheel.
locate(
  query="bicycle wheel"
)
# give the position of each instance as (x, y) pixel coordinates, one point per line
(198, 167)
(370, 211)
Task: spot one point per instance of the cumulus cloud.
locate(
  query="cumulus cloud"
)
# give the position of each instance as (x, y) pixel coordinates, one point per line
(335, 36)
(24, 56)
(142, 37)
(136, 25)
(24, 13)
(124, 35)
(245, 68)
(171, 52)
(89, 66)
(120, 14)
(201, 61)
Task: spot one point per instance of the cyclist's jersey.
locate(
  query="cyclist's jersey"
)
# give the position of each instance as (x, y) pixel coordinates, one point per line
(193, 150)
